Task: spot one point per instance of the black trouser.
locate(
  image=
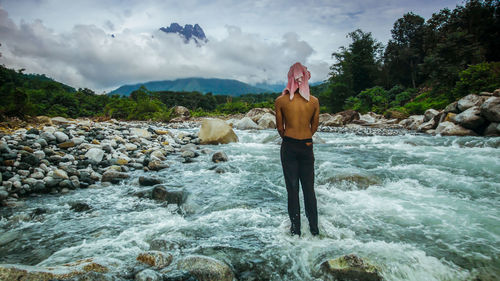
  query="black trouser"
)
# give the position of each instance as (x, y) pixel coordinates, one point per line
(297, 159)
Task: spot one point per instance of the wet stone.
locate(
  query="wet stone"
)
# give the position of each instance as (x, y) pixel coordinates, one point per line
(148, 181)
(80, 207)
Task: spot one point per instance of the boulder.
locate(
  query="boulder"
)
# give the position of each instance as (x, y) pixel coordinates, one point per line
(206, 268)
(469, 101)
(367, 118)
(470, 118)
(334, 121)
(429, 114)
(413, 122)
(350, 267)
(161, 193)
(247, 124)
(95, 154)
(80, 207)
(69, 271)
(348, 116)
(490, 109)
(324, 117)
(451, 129)
(216, 131)
(155, 259)
(452, 107)
(181, 111)
(492, 130)
(113, 176)
(147, 181)
(157, 165)
(219, 156)
(256, 113)
(267, 121)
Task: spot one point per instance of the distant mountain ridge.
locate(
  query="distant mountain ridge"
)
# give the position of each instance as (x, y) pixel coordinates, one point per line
(215, 86)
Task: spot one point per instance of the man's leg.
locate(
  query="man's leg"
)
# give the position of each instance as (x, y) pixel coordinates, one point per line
(291, 173)
(306, 170)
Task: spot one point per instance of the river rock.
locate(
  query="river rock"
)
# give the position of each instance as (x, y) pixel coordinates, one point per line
(66, 144)
(113, 176)
(30, 159)
(216, 131)
(157, 165)
(492, 130)
(60, 174)
(451, 129)
(4, 147)
(219, 156)
(348, 116)
(147, 181)
(429, 114)
(267, 121)
(130, 147)
(469, 101)
(80, 207)
(3, 195)
(69, 271)
(61, 120)
(413, 122)
(61, 137)
(247, 124)
(142, 133)
(256, 113)
(148, 275)
(470, 118)
(490, 109)
(181, 111)
(95, 154)
(334, 121)
(161, 193)
(350, 267)
(155, 259)
(206, 268)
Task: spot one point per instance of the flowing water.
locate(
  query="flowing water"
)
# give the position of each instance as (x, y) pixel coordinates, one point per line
(418, 207)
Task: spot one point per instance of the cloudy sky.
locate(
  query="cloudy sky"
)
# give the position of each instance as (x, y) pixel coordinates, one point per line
(252, 41)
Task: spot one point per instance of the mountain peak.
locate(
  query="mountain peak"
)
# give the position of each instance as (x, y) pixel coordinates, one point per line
(187, 32)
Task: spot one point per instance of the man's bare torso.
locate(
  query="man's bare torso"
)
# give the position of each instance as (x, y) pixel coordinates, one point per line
(297, 118)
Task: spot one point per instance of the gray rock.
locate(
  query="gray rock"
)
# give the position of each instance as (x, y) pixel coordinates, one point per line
(113, 176)
(219, 156)
(95, 154)
(452, 107)
(4, 147)
(247, 124)
(147, 181)
(48, 136)
(61, 137)
(450, 129)
(80, 207)
(60, 174)
(39, 186)
(39, 154)
(469, 101)
(490, 109)
(470, 118)
(206, 268)
(3, 195)
(161, 193)
(156, 165)
(148, 275)
(492, 130)
(42, 142)
(267, 121)
(429, 114)
(188, 154)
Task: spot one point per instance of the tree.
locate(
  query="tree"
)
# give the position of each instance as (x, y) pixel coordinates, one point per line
(405, 51)
(357, 68)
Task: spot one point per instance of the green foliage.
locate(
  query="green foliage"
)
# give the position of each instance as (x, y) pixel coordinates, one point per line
(426, 100)
(478, 78)
(373, 99)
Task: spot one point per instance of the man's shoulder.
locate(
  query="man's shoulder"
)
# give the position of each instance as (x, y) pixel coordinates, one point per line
(313, 99)
(281, 98)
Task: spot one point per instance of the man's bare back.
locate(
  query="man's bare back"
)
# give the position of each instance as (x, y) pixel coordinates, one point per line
(297, 118)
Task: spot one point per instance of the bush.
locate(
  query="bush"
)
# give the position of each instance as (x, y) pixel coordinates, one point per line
(478, 78)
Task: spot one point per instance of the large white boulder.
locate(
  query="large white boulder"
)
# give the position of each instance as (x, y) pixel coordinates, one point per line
(470, 118)
(267, 121)
(215, 131)
(247, 124)
(469, 101)
(256, 113)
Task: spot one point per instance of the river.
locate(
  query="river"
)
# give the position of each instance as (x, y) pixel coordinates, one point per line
(419, 207)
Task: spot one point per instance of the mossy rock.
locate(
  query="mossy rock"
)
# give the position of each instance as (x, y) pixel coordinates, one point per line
(350, 267)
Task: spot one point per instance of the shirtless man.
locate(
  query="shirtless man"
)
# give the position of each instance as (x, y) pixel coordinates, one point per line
(297, 118)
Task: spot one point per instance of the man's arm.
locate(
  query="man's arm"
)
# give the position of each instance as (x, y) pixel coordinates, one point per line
(315, 118)
(279, 118)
